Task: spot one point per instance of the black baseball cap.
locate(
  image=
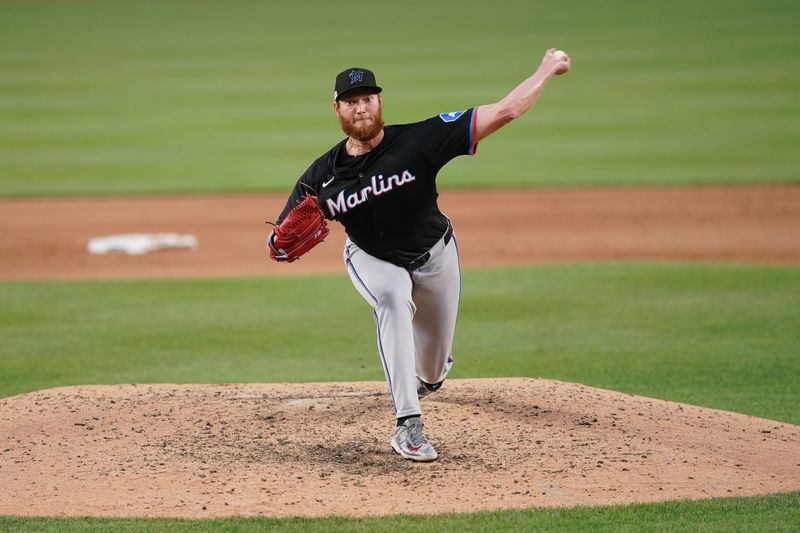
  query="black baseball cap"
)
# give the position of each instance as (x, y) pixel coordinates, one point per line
(354, 78)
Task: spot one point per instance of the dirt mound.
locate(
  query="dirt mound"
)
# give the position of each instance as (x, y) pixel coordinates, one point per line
(323, 449)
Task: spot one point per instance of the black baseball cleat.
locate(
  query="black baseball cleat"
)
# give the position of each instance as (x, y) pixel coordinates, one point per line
(426, 389)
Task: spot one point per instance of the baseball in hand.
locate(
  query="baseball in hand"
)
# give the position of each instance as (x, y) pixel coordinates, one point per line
(561, 55)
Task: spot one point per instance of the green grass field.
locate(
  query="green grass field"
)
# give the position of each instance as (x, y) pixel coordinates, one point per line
(718, 336)
(110, 97)
(101, 97)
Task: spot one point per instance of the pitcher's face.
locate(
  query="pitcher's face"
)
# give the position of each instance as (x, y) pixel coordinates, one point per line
(360, 114)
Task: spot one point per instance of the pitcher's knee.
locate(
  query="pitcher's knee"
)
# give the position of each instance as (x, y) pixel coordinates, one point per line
(394, 300)
(432, 376)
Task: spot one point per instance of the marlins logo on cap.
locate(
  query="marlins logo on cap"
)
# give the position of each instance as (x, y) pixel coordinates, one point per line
(354, 78)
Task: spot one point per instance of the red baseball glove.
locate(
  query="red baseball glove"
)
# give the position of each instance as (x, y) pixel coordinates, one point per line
(303, 228)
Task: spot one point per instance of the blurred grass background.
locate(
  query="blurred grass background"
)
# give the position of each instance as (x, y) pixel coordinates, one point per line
(115, 97)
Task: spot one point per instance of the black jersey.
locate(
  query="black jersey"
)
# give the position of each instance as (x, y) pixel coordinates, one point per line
(386, 198)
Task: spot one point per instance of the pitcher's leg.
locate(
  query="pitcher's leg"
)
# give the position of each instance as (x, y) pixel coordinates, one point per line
(436, 293)
(387, 288)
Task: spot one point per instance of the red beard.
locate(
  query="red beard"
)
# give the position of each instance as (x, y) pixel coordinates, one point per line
(363, 130)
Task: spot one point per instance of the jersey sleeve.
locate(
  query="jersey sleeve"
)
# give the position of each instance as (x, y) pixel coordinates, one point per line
(309, 183)
(448, 135)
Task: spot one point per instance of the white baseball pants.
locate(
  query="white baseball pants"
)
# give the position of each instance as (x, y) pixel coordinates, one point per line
(415, 314)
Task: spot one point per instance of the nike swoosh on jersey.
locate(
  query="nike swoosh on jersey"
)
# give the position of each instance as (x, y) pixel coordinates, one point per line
(326, 183)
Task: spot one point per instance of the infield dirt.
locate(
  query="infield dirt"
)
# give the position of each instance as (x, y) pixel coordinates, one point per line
(47, 239)
(323, 449)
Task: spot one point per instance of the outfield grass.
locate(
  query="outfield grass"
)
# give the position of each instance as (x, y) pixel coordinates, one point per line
(109, 97)
(722, 336)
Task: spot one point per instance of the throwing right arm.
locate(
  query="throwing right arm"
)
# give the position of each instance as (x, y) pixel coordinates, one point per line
(492, 117)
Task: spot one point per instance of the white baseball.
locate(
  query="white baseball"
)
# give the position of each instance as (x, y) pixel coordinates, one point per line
(560, 54)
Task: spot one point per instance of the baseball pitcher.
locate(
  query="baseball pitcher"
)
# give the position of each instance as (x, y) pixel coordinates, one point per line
(401, 252)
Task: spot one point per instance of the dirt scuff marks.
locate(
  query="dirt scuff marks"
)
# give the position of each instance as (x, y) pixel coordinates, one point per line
(323, 449)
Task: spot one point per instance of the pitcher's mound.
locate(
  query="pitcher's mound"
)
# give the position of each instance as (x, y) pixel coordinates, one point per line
(323, 449)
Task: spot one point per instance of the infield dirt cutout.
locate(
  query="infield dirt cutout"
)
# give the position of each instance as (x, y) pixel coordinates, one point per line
(47, 238)
(323, 449)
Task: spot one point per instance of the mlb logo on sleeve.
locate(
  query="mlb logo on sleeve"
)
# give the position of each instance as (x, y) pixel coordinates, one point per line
(452, 116)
